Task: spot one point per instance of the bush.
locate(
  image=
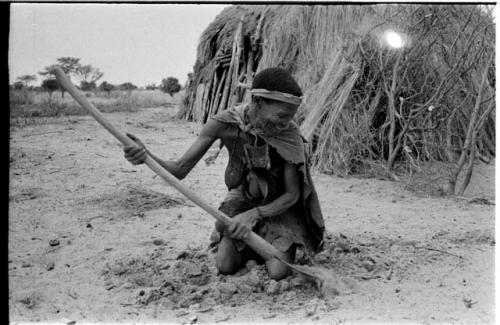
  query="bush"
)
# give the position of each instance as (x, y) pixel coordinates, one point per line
(30, 104)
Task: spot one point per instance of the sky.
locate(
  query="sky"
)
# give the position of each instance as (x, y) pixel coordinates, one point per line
(138, 43)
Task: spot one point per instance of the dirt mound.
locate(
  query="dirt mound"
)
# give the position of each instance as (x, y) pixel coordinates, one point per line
(192, 281)
(381, 257)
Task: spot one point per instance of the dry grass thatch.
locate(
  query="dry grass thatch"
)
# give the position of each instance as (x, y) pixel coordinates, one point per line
(365, 104)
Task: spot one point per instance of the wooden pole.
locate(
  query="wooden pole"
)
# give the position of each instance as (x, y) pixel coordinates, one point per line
(215, 104)
(254, 48)
(233, 93)
(254, 241)
(230, 80)
(215, 84)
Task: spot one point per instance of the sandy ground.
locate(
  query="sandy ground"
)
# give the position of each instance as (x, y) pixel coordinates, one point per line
(95, 239)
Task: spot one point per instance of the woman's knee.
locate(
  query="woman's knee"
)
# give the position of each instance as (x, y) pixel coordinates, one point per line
(277, 270)
(228, 258)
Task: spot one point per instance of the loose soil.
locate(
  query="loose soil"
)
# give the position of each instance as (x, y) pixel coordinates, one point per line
(95, 239)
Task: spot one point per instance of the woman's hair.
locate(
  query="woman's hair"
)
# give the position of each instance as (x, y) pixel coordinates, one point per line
(276, 79)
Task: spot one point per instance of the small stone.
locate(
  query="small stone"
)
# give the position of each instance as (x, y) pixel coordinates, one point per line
(273, 287)
(397, 290)
(201, 255)
(297, 281)
(254, 279)
(468, 302)
(26, 264)
(311, 311)
(53, 242)
(228, 288)
(322, 258)
(49, 266)
(193, 270)
(342, 244)
(285, 285)
(245, 288)
(118, 269)
(290, 295)
(181, 313)
(337, 251)
(368, 266)
(183, 254)
(158, 242)
(269, 315)
(141, 293)
(251, 264)
(89, 225)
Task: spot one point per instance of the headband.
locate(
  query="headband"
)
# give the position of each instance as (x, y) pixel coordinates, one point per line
(277, 95)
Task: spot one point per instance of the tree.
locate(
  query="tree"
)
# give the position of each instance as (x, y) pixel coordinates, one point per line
(152, 86)
(18, 85)
(67, 64)
(107, 87)
(88, 73)
(127, 86)
(170, 86)
(27, 79)
(50, 85)
(85, 86)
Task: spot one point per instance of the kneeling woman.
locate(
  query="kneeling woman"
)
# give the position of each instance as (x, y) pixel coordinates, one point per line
(270, 188)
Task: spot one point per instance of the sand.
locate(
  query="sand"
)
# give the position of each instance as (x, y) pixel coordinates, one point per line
(94, 239)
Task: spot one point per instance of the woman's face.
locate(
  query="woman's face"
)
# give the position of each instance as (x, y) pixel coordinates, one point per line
(272, 117)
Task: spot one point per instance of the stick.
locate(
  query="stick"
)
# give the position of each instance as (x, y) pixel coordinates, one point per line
(231, 75)
(233, 92)
(215, 105)
(254, 241)
(440, 250)
(215, 83)
(44, 133)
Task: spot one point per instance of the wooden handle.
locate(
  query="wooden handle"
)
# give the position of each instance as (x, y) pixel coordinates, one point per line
(257, 243)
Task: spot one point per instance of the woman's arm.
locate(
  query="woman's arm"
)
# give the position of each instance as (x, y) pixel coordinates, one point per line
(181, 167)
(244, 222)
(287, 199)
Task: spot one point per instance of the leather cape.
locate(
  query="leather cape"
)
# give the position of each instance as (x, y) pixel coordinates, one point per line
(290, 145)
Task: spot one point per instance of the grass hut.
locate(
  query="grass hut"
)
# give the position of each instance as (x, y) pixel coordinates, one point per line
(368, 105)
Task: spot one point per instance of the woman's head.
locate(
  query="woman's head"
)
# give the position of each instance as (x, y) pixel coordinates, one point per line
(276, 97)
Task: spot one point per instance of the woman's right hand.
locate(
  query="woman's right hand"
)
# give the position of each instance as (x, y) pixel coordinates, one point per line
(135, 154)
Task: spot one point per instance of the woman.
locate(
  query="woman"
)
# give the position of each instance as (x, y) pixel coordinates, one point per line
(270, 188)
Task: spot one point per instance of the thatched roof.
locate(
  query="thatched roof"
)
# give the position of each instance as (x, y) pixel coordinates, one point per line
(364, 102)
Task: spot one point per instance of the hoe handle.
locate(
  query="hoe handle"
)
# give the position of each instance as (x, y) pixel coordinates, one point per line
(257, 243)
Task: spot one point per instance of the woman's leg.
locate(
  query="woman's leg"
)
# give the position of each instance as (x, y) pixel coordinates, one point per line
(276, 269)
(228, 260)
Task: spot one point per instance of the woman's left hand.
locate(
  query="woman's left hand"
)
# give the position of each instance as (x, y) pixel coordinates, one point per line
(243, 223)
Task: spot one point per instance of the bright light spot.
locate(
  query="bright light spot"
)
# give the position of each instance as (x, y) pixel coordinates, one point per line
(394, 40)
